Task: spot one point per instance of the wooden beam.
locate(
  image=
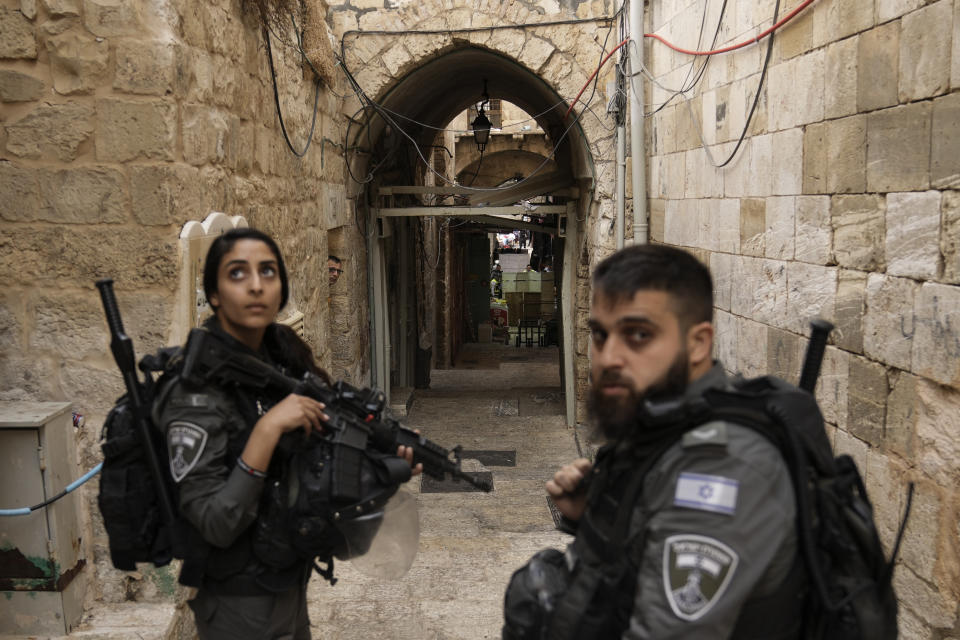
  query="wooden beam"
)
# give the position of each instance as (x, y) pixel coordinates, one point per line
(466, 212)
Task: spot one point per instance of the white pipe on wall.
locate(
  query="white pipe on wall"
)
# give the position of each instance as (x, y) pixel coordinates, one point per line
(641, 229)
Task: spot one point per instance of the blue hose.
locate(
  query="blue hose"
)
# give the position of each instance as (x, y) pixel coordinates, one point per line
(70, 487)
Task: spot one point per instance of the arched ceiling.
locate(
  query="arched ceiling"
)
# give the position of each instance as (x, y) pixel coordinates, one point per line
(441, 88)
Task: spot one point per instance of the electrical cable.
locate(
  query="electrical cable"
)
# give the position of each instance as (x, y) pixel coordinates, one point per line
(753, 107)
(276, 99)
(70, 487)
(592, 75)
(745, 43)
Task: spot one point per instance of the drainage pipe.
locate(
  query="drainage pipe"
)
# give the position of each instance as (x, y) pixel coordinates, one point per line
(641, 229)
(621, 155)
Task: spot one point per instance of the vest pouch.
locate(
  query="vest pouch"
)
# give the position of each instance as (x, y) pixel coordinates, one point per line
(532, 595)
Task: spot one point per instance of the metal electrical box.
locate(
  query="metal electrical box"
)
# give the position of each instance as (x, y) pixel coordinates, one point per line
(42, 581)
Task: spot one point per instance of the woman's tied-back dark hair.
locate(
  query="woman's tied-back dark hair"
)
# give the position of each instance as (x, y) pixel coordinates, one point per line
(283, 343)
(222, 246)
(655, 267)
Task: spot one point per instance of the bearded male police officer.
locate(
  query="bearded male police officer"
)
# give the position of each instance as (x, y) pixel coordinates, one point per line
(712, 531)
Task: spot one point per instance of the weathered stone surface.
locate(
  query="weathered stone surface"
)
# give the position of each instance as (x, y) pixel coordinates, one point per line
(944, 159)
(145, 67)
(165, 194)
(787, 162)
(859, 231)
(58, 25)
(902, 412)
(72, 325)
(889, 324)
(51, 131)
(898, 148)
(937, 431)
(798, 39)
(70, 257)
(18, 192)
(783, 110)
(850, 304)
(831, 389)
(814, 235)
(846, 444)
(107, 18)
(28, 8)
(17, 39)
(925, 51)
(936, 346)
(783, 353)
(206, 136)
(129, 129)
(933, 607)
(761, 290)
(752, 340)
(26, 378)
(950, 236)
(889, 9)
(847, 155)
(753, 226)
(719, 226)
(657, 210)
(955, 56)
(815, 158)
(19, 87)
(77, 62)
(721, 269)
(837, 19)
(878, 54)
(840, 66)
(62, 7)
(913, 228)
(780, 219)
(87, 195)
(866, 399)
(725, 338)
(11, 326)
(883, 484)
(760, 167)
(811, 291)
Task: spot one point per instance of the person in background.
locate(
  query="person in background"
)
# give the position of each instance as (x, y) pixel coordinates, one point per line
(334, 268)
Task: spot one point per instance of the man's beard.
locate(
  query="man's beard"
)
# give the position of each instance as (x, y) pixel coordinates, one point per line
(617, 418)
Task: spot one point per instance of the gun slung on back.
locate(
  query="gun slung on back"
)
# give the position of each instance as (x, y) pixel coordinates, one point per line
(349, 408)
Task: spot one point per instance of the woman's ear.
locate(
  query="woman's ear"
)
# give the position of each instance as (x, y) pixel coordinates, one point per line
(214, 301)
(700, 344)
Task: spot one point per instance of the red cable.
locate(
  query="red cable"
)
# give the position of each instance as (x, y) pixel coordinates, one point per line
(625, 41)
(803, 5)
(745, 43)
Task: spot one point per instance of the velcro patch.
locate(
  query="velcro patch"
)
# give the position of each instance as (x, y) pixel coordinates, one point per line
(185, 443)
(189, 400)
(696, 572)
(711, 433)
(707, 493)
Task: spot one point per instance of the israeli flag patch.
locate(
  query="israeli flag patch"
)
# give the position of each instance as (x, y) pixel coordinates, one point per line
(707, 493)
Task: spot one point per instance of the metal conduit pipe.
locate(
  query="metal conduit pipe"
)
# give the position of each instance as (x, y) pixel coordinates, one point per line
(641, 228)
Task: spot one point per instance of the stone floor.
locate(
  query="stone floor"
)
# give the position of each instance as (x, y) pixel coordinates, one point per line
(497, 399)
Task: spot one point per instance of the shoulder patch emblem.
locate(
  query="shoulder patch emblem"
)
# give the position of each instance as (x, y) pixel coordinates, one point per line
(185, 443)
(696, 572)
(706, 493)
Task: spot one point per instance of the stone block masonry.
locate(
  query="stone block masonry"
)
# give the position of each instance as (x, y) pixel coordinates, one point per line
(849, 209)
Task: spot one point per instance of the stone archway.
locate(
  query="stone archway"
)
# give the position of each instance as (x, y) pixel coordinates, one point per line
(421, 80)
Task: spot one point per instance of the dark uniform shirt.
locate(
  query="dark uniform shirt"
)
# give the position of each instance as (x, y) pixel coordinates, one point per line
(717, 515)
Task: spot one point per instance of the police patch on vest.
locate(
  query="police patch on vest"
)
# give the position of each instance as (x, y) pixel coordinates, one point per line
(696, 572)
(185, 443)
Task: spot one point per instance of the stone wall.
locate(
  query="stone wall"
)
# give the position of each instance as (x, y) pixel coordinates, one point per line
(841, 203)
(121, 121)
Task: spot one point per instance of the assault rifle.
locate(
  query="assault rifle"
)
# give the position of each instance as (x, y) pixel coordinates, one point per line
(356, 415)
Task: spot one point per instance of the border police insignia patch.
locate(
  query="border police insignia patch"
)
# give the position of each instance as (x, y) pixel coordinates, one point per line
(696, 572)
(185, 443)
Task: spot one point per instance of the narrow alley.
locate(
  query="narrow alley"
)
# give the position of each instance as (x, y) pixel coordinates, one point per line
(504, 406)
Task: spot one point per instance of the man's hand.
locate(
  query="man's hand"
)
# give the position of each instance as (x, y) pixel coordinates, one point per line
(566, 488)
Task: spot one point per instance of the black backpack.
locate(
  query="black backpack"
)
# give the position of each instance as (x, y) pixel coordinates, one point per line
(850, 592)
(129, 500)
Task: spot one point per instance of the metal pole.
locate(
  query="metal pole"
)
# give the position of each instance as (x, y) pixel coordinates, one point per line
(621, 161)
(641, 230)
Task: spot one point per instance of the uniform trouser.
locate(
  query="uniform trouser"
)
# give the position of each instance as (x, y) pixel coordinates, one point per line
(281, 616)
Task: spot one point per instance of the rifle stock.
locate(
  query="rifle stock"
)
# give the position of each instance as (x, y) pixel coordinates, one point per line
(122, 347)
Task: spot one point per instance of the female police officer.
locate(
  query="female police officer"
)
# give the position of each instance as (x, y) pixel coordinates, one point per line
(221, 443)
